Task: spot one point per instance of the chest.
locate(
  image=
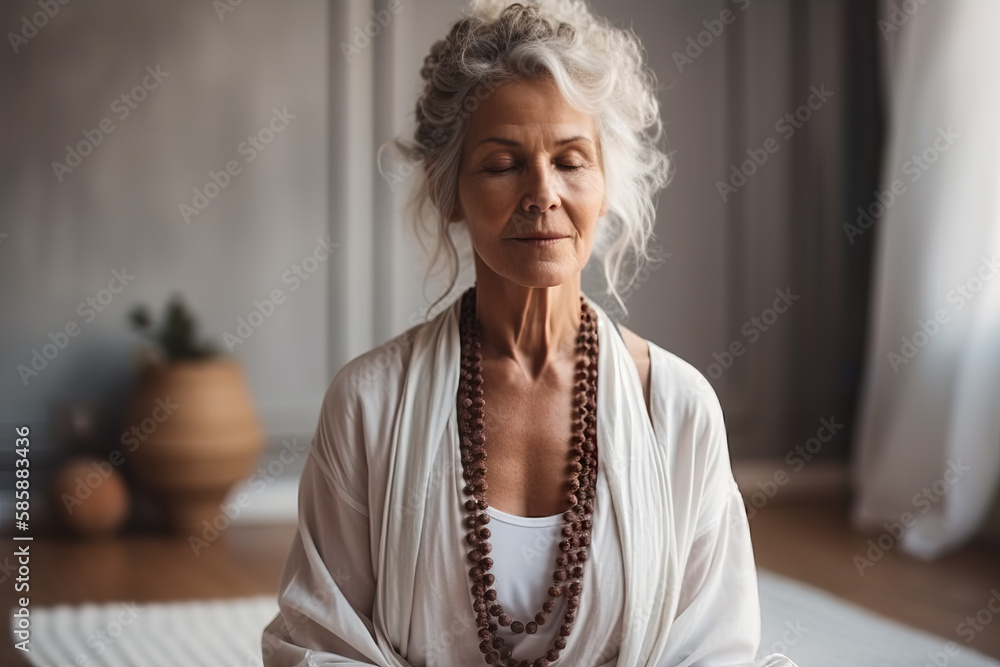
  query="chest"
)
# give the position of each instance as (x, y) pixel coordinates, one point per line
(528, 431)
(443, 630)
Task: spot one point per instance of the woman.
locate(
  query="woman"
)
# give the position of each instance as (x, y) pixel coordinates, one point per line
(518, 481)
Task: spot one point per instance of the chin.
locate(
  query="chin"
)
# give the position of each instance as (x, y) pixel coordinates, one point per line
(542, 277)
(533, 272)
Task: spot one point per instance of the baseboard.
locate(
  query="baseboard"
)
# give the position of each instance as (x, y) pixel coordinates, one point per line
(275, 503)
(776, 480)
(270, 494)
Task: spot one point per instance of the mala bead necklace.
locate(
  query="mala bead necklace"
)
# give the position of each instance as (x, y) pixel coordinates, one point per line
(567, 579)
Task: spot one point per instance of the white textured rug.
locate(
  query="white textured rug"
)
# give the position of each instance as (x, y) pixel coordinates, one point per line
(816, 629)
(813, 628)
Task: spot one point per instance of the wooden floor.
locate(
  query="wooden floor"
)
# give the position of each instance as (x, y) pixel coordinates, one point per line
(242, 562)
(809, 542)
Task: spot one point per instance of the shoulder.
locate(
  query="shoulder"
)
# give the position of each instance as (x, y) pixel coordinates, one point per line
(357, 413)
(368, 388)
(675, 382)
(372, 375)
(693, 438)
(355, 409)
(377, 364)
(682, 386)
(693, 430)
(380, 371)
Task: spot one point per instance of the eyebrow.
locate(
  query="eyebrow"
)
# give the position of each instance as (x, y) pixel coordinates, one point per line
(511, 142)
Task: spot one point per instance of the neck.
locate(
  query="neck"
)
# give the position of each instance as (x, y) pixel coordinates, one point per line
(533, 326)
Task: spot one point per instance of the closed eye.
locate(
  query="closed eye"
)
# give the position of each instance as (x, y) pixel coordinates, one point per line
(563, 167)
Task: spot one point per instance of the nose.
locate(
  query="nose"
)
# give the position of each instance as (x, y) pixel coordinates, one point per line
(540, 194)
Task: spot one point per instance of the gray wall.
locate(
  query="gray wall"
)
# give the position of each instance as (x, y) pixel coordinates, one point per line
(120, 206)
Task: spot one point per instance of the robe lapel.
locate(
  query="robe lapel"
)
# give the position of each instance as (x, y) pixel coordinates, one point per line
(427, 404)
(636, 471)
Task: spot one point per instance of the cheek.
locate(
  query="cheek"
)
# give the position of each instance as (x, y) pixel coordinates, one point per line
(486, 198)
(587, 193)
(477, 189)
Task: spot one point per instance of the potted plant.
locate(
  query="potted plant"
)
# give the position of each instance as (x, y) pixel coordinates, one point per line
(192, 430)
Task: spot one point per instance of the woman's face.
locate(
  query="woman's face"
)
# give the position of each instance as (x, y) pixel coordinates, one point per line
(531, 165)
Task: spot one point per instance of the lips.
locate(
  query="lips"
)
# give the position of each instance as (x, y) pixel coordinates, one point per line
(539, 242)
(539, 237)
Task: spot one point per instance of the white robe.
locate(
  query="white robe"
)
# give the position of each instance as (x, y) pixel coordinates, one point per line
(380, 535)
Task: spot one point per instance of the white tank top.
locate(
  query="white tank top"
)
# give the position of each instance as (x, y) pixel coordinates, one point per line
(524, 557)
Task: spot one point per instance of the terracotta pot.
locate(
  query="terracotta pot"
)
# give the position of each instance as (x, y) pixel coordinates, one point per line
(192, 433)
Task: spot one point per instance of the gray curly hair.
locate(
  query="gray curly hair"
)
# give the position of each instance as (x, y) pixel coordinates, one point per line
(597, 67)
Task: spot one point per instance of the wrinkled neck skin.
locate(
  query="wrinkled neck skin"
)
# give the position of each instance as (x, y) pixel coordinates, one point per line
(536, 327)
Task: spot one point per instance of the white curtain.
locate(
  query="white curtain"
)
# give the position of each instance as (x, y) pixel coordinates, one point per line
(927, 462)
